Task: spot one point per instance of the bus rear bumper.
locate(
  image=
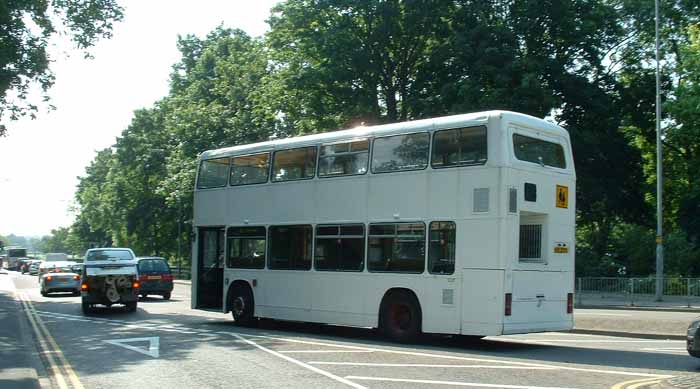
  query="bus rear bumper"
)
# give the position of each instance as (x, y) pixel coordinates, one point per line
(549, 326)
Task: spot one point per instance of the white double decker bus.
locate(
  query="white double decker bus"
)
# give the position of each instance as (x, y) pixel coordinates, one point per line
(460, 225)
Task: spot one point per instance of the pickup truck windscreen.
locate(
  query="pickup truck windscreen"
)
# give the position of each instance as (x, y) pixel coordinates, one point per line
(106, 255)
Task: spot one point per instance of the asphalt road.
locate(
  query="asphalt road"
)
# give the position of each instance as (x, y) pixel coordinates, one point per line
(165, 344)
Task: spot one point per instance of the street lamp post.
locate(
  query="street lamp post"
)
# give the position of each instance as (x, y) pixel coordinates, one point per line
(659, 174)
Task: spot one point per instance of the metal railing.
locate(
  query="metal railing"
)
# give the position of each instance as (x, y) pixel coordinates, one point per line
(636, 291)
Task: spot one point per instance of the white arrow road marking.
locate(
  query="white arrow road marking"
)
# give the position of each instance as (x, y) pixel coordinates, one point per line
(153, 345)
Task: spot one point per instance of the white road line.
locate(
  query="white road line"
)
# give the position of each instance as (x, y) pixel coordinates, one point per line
(428, 365)
(323, 351)
(600, 314)
(597, 341)
(458, 358)
(300, 363)
(452, 383)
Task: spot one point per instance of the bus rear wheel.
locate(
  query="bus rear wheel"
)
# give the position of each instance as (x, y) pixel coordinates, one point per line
(400, 317)
(242, 306)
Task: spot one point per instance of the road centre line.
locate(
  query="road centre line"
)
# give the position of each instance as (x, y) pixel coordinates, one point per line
(428, 365)
(56, 349)
(300, 363)
(122, 323)
(452, 383)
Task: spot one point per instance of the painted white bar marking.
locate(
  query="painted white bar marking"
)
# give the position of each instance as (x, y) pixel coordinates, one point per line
(596, 341)
(453, 383)
(458, 358)
(324, 351)
(300, 363)
(153, 345)
(428, 365)
(600, 314)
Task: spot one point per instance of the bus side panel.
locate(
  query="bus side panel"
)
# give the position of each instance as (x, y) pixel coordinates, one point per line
(482, 302)
(337, 299)
(441, 304)
(287, 295)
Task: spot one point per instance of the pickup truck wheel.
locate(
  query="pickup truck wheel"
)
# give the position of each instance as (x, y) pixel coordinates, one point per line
(131, 307)
(166, 296)
(87, 308)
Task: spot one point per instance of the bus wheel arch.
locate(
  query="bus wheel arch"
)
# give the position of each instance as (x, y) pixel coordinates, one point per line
(241, 303)
(400, 315)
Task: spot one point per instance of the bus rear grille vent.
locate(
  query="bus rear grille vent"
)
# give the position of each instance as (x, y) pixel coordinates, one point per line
(513, 200)
(448, 296)
(531, 242)
(481, 199)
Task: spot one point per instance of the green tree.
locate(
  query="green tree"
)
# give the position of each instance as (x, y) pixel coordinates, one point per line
(27, 27)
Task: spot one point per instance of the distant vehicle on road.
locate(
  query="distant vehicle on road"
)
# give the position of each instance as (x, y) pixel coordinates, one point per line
(34, 267)
(60, 278)
(14, 255)
(460, 225)
(26, 264)
(109, 277)
(155, 277)
(50, 258)
(694, 338)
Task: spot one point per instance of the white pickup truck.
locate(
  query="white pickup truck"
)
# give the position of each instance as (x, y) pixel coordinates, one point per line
(109, 277)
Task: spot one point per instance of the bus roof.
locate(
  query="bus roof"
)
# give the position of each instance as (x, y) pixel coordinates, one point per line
(385, 129)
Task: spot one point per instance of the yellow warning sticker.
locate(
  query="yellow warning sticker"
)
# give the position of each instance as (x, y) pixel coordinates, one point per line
(562, 196)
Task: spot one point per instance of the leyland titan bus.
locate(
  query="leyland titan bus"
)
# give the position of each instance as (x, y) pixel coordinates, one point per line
(459, 225)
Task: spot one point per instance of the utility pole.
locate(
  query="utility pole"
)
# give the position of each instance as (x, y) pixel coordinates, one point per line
(659, 175)
(179, 236)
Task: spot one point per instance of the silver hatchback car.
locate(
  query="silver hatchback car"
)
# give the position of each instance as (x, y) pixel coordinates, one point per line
(60, 278)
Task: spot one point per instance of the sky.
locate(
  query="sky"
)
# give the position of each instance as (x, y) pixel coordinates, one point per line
(41, 159)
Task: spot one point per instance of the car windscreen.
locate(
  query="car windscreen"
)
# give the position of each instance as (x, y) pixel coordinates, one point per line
(104, 255)
(153, 265)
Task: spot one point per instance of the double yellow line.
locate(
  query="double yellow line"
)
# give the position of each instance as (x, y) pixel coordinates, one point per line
(641, 383)
(62, 372)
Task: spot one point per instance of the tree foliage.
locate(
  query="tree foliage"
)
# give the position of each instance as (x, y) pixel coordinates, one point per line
(27, 27)
(331, 64)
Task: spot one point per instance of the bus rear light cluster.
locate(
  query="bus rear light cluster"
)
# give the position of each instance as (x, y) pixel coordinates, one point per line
(509, 304)
(570, 303)
(84, 287)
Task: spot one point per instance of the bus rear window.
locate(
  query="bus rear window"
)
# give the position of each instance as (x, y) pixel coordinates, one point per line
(539, 151)
(213, 173)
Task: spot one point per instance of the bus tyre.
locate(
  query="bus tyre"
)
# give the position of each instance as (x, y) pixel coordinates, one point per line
(242, 307)
(400, 317)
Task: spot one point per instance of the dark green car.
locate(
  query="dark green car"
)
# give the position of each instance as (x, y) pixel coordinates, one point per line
(155, 277)
(693, 339)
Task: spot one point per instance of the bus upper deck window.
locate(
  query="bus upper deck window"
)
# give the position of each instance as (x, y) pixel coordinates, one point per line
(539, 151)
(213, 173)
(459, 147)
